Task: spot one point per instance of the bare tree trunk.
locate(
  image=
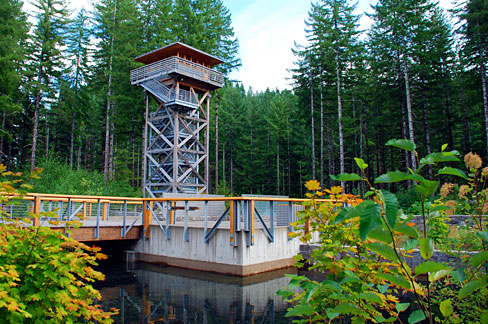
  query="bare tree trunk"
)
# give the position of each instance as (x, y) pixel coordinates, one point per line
(339, 118)
(36, 119)
(111, 152)
(330, 148)
(78, 160)
(46, 146)
(231, 169)
(405, 134)
(411, 133)
(72, 140)
(426, 130)
(133, 159)
(289, 160)
(466, 124)
(313, 122)
(278, 167)
(321, 135)
(106, 167)
(216, 144)
(485, 100)
(4, 114)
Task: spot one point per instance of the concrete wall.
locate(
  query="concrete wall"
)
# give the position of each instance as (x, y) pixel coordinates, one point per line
(218, 255)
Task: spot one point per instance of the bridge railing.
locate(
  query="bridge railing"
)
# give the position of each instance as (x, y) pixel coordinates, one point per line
(235, 214)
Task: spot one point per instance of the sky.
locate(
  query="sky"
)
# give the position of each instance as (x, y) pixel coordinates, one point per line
(267, 31)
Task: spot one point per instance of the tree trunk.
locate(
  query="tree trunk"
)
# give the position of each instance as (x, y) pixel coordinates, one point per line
(405, 134)
(411, 133)
(321, 135)
(330, 148)
(313, 122)
(4, 114)
(485, 100)
(36, 118)
(216, 145)
(78, 158)
(339, 118)
(46, 146)
(278, 167)
(466, 123)
(426, 130)
(72, 140)
(106, 166)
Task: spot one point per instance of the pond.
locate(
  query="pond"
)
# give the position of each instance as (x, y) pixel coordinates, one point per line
(147, 293)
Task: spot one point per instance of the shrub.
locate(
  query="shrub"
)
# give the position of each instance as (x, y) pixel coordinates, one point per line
(364, 247)
(45, 276)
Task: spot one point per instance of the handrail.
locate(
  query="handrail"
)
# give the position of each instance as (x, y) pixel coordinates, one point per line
(241, 215)
(178, 65)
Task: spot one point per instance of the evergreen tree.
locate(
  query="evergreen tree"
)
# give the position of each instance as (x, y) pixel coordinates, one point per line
(47, 40)
(13, 28)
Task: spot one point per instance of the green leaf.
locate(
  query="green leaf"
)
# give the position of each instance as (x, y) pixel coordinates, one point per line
(426, 187)
(484, 317)
(443, 147)
(369, 193)
(400, 307)
(410, 244)
(346, 177)
(345, 214)
(430, 266)
(471, 287)
(434, 276)
(479, 258)
(381, 319)
(300, 310)
(330, 313)
(392, 176)
(383, 288)
(416, 316)
(446, 307)
(439, 208)
(404, 144)
(383, 250)
(483, 235)
(369, 218)
(380, 234)
(453, 171)
(360, 163)
(407, 230)
(371, 297)
(345, 308)
(459, 275)
(395, 279)
(391, 207)
(426, 247)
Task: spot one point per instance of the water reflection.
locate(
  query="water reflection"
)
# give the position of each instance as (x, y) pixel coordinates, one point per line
(155, 294)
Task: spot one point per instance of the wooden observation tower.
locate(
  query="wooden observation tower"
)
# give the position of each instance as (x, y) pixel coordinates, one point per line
(176, 157)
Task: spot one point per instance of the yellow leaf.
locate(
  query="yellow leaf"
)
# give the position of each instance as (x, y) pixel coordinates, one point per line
(312, 185)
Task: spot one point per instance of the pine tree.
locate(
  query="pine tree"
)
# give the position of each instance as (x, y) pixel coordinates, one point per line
(13, 28)
(46, 58)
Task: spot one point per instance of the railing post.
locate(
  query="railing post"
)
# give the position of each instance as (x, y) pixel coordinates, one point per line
(232, 222)
(147, 218)
(271, 218)
(186, 233)
(172, 212)
(205, 220)
(84, 209)
(104, 212)
(37, 211)
(97, 228)
(124, 218)
(251, 221)
(69, 210)
(290, 219)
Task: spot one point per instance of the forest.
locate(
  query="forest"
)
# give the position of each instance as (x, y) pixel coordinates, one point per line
(418, 73)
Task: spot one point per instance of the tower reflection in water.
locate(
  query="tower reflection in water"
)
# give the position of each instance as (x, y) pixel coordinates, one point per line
(156, 294)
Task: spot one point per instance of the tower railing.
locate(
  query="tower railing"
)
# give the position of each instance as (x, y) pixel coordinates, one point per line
(176, 65)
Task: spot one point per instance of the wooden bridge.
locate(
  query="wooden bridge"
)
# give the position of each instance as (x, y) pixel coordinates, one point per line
(189, 231)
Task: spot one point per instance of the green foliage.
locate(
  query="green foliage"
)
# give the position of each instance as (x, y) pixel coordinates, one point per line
(360, 253)
(58, 178)
(45, 276)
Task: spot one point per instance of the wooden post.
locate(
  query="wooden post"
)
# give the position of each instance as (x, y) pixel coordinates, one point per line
(252, 222)
(147, 217)
(232, 222)
(89, 209)
(104, 211)
(84, 209)
(172, 213)
(37, 211)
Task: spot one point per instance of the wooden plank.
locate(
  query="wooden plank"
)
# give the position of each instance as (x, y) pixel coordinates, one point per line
(106, 233)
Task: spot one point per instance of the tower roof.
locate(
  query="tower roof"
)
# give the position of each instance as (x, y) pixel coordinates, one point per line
(178, 49)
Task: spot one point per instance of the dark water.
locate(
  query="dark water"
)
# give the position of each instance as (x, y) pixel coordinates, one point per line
(157, 294)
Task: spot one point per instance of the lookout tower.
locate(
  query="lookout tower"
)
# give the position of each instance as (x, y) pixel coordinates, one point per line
(179, 77)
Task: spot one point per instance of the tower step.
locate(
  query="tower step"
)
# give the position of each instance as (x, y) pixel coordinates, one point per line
(168, 96)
